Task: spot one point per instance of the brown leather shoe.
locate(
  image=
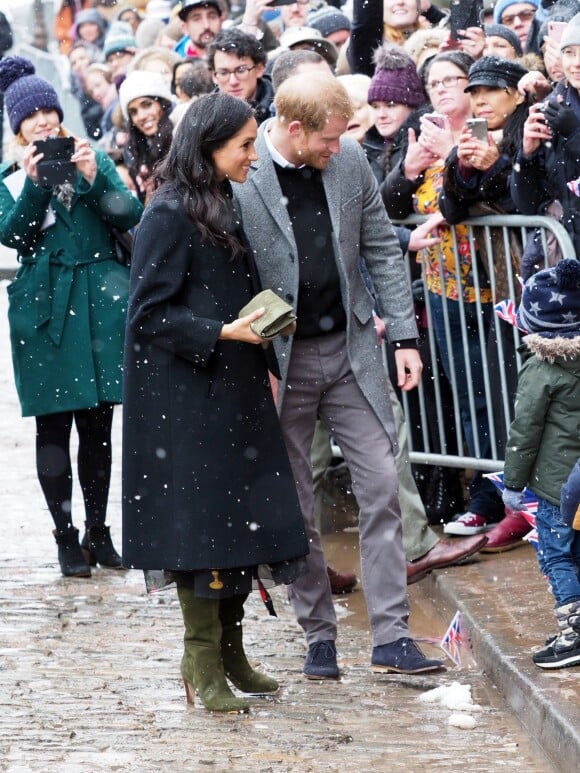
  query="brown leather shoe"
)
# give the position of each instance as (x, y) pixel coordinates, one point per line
(443, 554)
(341, 582)
(507, 534)
(415, 573)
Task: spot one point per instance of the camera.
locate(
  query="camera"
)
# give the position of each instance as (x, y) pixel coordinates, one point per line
(56, 167)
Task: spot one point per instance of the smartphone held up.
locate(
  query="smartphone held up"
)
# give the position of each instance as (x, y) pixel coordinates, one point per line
(478, 128)
(464, 14)
(56, 166)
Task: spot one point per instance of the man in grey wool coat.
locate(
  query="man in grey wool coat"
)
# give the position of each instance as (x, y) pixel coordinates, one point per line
(311, 208)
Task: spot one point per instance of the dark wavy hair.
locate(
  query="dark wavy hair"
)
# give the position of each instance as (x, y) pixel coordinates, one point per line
(145, 151)
(206, 127)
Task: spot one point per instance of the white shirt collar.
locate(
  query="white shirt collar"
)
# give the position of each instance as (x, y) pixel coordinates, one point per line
(277, 157)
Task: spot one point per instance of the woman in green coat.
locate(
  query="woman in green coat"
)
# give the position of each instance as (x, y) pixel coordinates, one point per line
(67, 306)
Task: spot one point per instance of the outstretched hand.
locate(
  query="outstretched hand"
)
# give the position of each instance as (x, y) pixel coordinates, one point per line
(425, 235)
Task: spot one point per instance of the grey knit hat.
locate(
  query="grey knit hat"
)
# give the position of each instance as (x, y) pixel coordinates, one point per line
(571, 35)
(501, 31)
(328, 20)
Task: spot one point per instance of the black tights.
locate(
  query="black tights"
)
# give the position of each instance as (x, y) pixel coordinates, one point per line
(53, 462)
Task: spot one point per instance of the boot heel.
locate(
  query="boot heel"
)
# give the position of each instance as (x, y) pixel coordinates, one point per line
(189, 692)
(89, 557)
(99, 549)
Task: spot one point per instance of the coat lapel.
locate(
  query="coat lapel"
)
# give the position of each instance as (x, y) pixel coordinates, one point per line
(332, 187)
(266, 183)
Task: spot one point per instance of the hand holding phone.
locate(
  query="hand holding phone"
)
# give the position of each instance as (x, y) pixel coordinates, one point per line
(464, 14)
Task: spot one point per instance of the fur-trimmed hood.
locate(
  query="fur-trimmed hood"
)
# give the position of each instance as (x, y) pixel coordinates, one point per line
(566, 350)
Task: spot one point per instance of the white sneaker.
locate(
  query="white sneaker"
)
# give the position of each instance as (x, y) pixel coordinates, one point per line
(467, 524)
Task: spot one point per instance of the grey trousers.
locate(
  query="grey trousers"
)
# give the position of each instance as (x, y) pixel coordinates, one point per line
(418, 536)
(320, 384)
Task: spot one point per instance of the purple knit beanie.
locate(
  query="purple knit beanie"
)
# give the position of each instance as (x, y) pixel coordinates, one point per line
(396, 79)
(24, 92)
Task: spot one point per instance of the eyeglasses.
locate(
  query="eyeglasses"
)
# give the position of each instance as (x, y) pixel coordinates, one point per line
(447, 83)
(240, 72)
(522, 16)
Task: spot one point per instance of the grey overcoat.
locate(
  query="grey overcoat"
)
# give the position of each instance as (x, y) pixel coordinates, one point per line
(361, 227)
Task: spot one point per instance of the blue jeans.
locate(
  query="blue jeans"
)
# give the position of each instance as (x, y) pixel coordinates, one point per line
(558, 553)
(484, 498)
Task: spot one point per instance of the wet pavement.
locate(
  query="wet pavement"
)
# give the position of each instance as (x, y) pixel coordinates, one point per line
(89, 669)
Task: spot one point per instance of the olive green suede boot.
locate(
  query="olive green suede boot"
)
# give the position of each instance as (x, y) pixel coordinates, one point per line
(201, 665)
(236, 666)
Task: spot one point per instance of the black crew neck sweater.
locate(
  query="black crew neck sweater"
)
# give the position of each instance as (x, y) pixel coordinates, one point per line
(320, 309)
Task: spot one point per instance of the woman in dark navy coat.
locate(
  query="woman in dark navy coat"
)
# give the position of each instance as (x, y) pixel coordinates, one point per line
(209, 500)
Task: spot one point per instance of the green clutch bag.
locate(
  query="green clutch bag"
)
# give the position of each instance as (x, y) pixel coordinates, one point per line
(278, 319)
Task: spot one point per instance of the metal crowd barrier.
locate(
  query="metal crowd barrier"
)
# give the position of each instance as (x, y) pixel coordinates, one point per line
(434, 426)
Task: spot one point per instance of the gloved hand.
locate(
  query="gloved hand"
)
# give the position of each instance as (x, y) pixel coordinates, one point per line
(512, 499)
(418, 290)
(561, 119)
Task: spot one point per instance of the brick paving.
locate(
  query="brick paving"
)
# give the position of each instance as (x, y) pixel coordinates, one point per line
(89, 669)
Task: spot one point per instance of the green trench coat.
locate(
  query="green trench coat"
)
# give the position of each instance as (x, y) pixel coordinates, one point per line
(68, 303)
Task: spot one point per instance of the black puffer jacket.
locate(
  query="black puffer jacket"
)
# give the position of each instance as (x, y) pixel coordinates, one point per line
(543, 176)
(460, 193)
(264, 99)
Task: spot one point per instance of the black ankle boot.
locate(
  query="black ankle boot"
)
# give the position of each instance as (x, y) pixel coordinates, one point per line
(445, 495)
(99, 549)
(70, 556)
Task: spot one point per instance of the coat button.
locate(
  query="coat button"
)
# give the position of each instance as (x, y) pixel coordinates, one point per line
(196, 358)
(289, 297)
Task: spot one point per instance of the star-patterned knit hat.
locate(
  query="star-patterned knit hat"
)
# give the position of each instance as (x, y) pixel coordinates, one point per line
(550, 303)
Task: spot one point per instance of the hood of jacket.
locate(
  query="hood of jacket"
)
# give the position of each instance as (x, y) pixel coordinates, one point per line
(564, 351)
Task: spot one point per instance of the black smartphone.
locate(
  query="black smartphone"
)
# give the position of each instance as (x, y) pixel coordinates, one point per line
(464, 14)
(275, 3)
(56, 167)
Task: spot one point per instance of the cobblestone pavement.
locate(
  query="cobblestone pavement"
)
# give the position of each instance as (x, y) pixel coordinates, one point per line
(89, 669)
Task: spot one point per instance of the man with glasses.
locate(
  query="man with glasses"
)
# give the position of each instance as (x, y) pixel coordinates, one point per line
(237, 62)
(520, 18)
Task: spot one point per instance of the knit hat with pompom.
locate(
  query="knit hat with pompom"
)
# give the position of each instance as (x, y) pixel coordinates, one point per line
(396, 79)
(24, 92)
(550, 303)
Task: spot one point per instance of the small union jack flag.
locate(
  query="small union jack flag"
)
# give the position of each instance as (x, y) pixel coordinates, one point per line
(453, 639)
(507, 310)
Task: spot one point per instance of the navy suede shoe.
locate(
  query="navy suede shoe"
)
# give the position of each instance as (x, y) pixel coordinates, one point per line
(321, 662)
(402, 657)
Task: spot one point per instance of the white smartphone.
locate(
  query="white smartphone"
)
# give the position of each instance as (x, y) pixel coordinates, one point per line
(478, 128)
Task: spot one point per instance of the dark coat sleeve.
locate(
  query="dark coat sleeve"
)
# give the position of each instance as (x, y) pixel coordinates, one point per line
(570, 500)
(397, 191)
(366, 35)
(460, 192)
(160, 267)
(6, 39)
(528, 182)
